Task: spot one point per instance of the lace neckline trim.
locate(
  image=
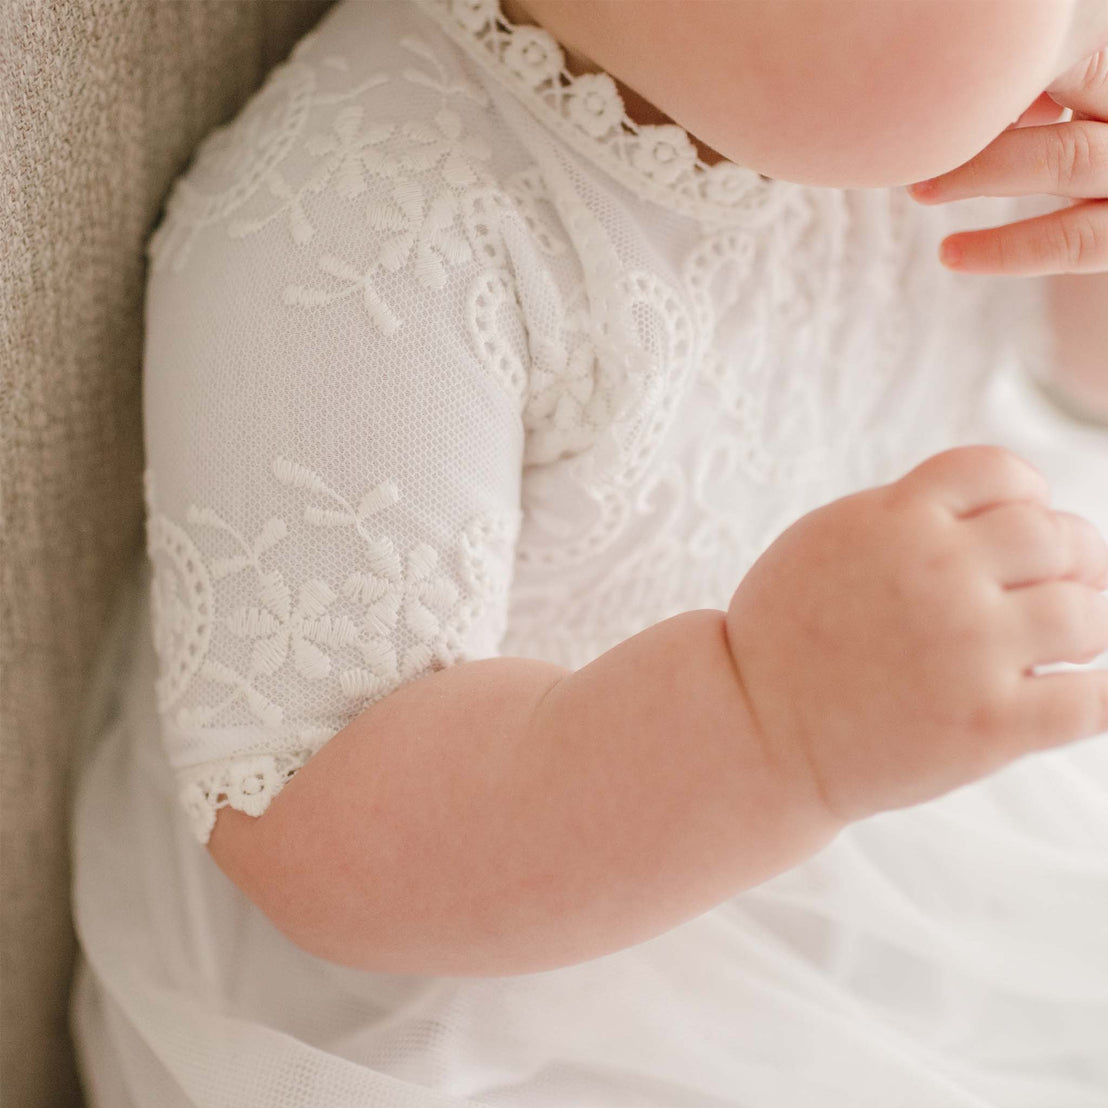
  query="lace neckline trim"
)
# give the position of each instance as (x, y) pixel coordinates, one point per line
(657, 161)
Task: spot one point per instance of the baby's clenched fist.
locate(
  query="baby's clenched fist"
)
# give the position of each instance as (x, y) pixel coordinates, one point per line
(887, 641)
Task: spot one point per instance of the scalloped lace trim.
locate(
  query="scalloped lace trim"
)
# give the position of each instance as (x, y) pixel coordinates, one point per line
(658, 161)
(248, 783)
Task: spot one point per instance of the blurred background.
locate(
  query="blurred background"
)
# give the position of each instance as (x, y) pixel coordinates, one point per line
(101, 105)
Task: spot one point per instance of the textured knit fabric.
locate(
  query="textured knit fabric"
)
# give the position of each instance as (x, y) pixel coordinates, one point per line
(448, 359)
(101, 104)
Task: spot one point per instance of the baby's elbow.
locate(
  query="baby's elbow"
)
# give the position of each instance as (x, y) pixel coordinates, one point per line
(244, 848)
(260, 856)
(240, 845)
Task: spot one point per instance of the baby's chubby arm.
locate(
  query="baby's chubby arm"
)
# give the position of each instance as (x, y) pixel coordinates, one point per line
(508, 816)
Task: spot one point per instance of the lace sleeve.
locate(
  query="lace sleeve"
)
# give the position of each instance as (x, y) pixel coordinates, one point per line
(335, 375)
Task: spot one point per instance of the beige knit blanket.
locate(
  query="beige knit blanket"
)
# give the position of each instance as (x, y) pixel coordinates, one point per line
(101, 105)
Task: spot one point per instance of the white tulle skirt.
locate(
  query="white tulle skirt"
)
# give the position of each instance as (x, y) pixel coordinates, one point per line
(952, 955)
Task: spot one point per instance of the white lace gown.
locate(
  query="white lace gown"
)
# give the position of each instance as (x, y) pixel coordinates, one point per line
(446, 359)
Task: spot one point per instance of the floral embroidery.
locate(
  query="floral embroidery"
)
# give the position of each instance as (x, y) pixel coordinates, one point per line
(628, 513)
(664, 152)
(735, 185)
(657, 161)
(357, 154)
(443, 141)
(245, 154)
(533, 55)
(247, 783)
(349, 151)
(387, 598)
(426, 227)
(594, 104)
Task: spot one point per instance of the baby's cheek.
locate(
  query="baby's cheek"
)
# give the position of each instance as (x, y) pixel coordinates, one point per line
(872, 94)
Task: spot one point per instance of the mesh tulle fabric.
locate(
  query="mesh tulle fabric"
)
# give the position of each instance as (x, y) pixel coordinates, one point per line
(447, 359)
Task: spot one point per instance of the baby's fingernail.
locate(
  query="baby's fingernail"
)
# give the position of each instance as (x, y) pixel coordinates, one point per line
(924, 189)
(950, 253)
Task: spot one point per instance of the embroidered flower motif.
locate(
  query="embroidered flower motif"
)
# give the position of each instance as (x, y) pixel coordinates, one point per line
(428, 231)
(427, 598)
(417, 588)
(474, 14)
(588, 110)
(274, 628)
(248, 783)
(663, 152)
(445, 142)
(594, 104)
(533, 55)
(427, 236)
(727, 183)
(236, 160)
(354, 151)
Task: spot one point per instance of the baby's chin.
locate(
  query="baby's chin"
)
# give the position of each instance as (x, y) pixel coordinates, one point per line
(875, 146)
(873, 142)
(877, 157)
(853, 96)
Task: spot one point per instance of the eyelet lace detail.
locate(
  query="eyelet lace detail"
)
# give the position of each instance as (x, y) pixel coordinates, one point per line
(657, 161)
(248, 783)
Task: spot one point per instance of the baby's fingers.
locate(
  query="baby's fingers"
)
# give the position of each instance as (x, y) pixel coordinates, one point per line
(1045, 109)
(1088, 551)
(1072, 240)
(1055, 708)
(1059, 621)
(1063, 159)
(1028, 543)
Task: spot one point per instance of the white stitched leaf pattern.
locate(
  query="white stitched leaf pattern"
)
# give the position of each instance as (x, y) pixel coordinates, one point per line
(310, 626)
(659, 367)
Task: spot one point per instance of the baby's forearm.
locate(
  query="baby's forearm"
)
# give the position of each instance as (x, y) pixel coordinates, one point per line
(508, 816)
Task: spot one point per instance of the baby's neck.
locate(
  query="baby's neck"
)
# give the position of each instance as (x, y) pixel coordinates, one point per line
(638, 108)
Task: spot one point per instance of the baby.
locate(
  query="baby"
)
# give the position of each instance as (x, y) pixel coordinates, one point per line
(881, 652)
(594, 545)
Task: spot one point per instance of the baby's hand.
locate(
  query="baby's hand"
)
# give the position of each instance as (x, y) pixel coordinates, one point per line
(887, 640)
(1061, 159)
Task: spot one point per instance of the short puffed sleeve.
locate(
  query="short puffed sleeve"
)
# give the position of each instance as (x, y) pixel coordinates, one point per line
(335, 373)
